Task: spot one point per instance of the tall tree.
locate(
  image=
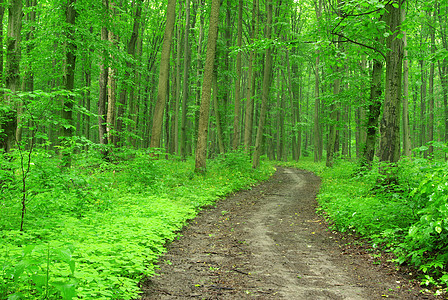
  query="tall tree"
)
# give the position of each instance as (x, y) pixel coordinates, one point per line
(237, 111)
(185, 88)
(390, 123)
(69, 76)
(266, 87)
(406, 127)
(248, 122)
(317, 135)
(163, 76)
(8, 117)
(103, 80)
(201, 147)
(127, 84)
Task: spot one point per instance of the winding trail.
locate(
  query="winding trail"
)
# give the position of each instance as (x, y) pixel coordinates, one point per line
(268, 243)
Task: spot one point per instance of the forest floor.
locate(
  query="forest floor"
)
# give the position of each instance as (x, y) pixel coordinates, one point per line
(269, 243)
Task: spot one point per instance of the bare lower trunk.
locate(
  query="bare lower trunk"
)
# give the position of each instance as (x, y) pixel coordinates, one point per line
(390, 124)
(163, 77)
(406, 128)
(237, 110)
(185, 90)
(265, 92)
(201, 146)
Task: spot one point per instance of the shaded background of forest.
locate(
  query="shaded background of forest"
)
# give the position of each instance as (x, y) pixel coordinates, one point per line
(81, 72)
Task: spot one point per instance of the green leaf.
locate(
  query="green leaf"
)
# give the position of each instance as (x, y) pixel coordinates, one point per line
(39, 280)
(16, 296)
(68, 290)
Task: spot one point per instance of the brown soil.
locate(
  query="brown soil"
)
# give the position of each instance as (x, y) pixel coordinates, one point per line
(269, 243)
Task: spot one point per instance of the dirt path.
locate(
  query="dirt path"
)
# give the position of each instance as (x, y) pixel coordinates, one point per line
(268, 243)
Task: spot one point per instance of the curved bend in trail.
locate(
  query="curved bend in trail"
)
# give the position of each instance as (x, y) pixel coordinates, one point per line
(268, 243)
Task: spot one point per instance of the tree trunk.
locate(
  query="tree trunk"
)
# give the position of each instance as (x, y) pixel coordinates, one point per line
(175, 126)
(237, 111)
(201, 146)
(185, 88)
(390, 123)
(119, 140)
(332, 135)
(431, 93)
(249, 117)
(12, 73)
(406, 128)
(316, 129)
(102, 97)
(422, 135)
(217, 116)
(373, 114)
(69, 79)
(265, 92)
(163, 76)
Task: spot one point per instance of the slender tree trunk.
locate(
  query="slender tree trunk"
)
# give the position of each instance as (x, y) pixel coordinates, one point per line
(185, 89)
(175, 135)
(406, 127)
(119, 140)
(431, 93)
(201, 147)
(12, 73)
(422, 136)
(163, 76)
(249, 117)
(199, 67)
(390, 123)
(373, 114)
(237, 111)
(443, 66)
(102, 97)
(69, 78)
(332, 142)
(265, 92)
(317, 130)
(295, 115)
(2, 14)
(217, 115)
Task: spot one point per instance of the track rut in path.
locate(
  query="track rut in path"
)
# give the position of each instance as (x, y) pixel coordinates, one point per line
(268, 243)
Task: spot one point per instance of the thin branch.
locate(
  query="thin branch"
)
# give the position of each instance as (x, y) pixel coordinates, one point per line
(359, 44)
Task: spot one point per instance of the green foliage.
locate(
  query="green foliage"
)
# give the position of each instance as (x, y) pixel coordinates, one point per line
(94, 230)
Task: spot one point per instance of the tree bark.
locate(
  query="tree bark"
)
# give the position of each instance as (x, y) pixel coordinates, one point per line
(266, 87)
(201, 146)
(316, 129)
(185, 88)
(249, 111)
(431, 93)
(390, 123)
(175, 126)
(102, 97)
(406, 128)
(332, 135)
(69, 78)
(237, 110)
(163, 76)
(221, 147)
(8, 118)
(119, 140)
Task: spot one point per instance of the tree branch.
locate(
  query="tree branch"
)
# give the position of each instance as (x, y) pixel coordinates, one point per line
(360, 44)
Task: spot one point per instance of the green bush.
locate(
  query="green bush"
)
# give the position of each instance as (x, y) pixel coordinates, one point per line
(94, 230)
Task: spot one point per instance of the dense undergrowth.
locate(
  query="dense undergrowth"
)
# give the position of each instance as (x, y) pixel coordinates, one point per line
(408, 217)
(95, 230)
